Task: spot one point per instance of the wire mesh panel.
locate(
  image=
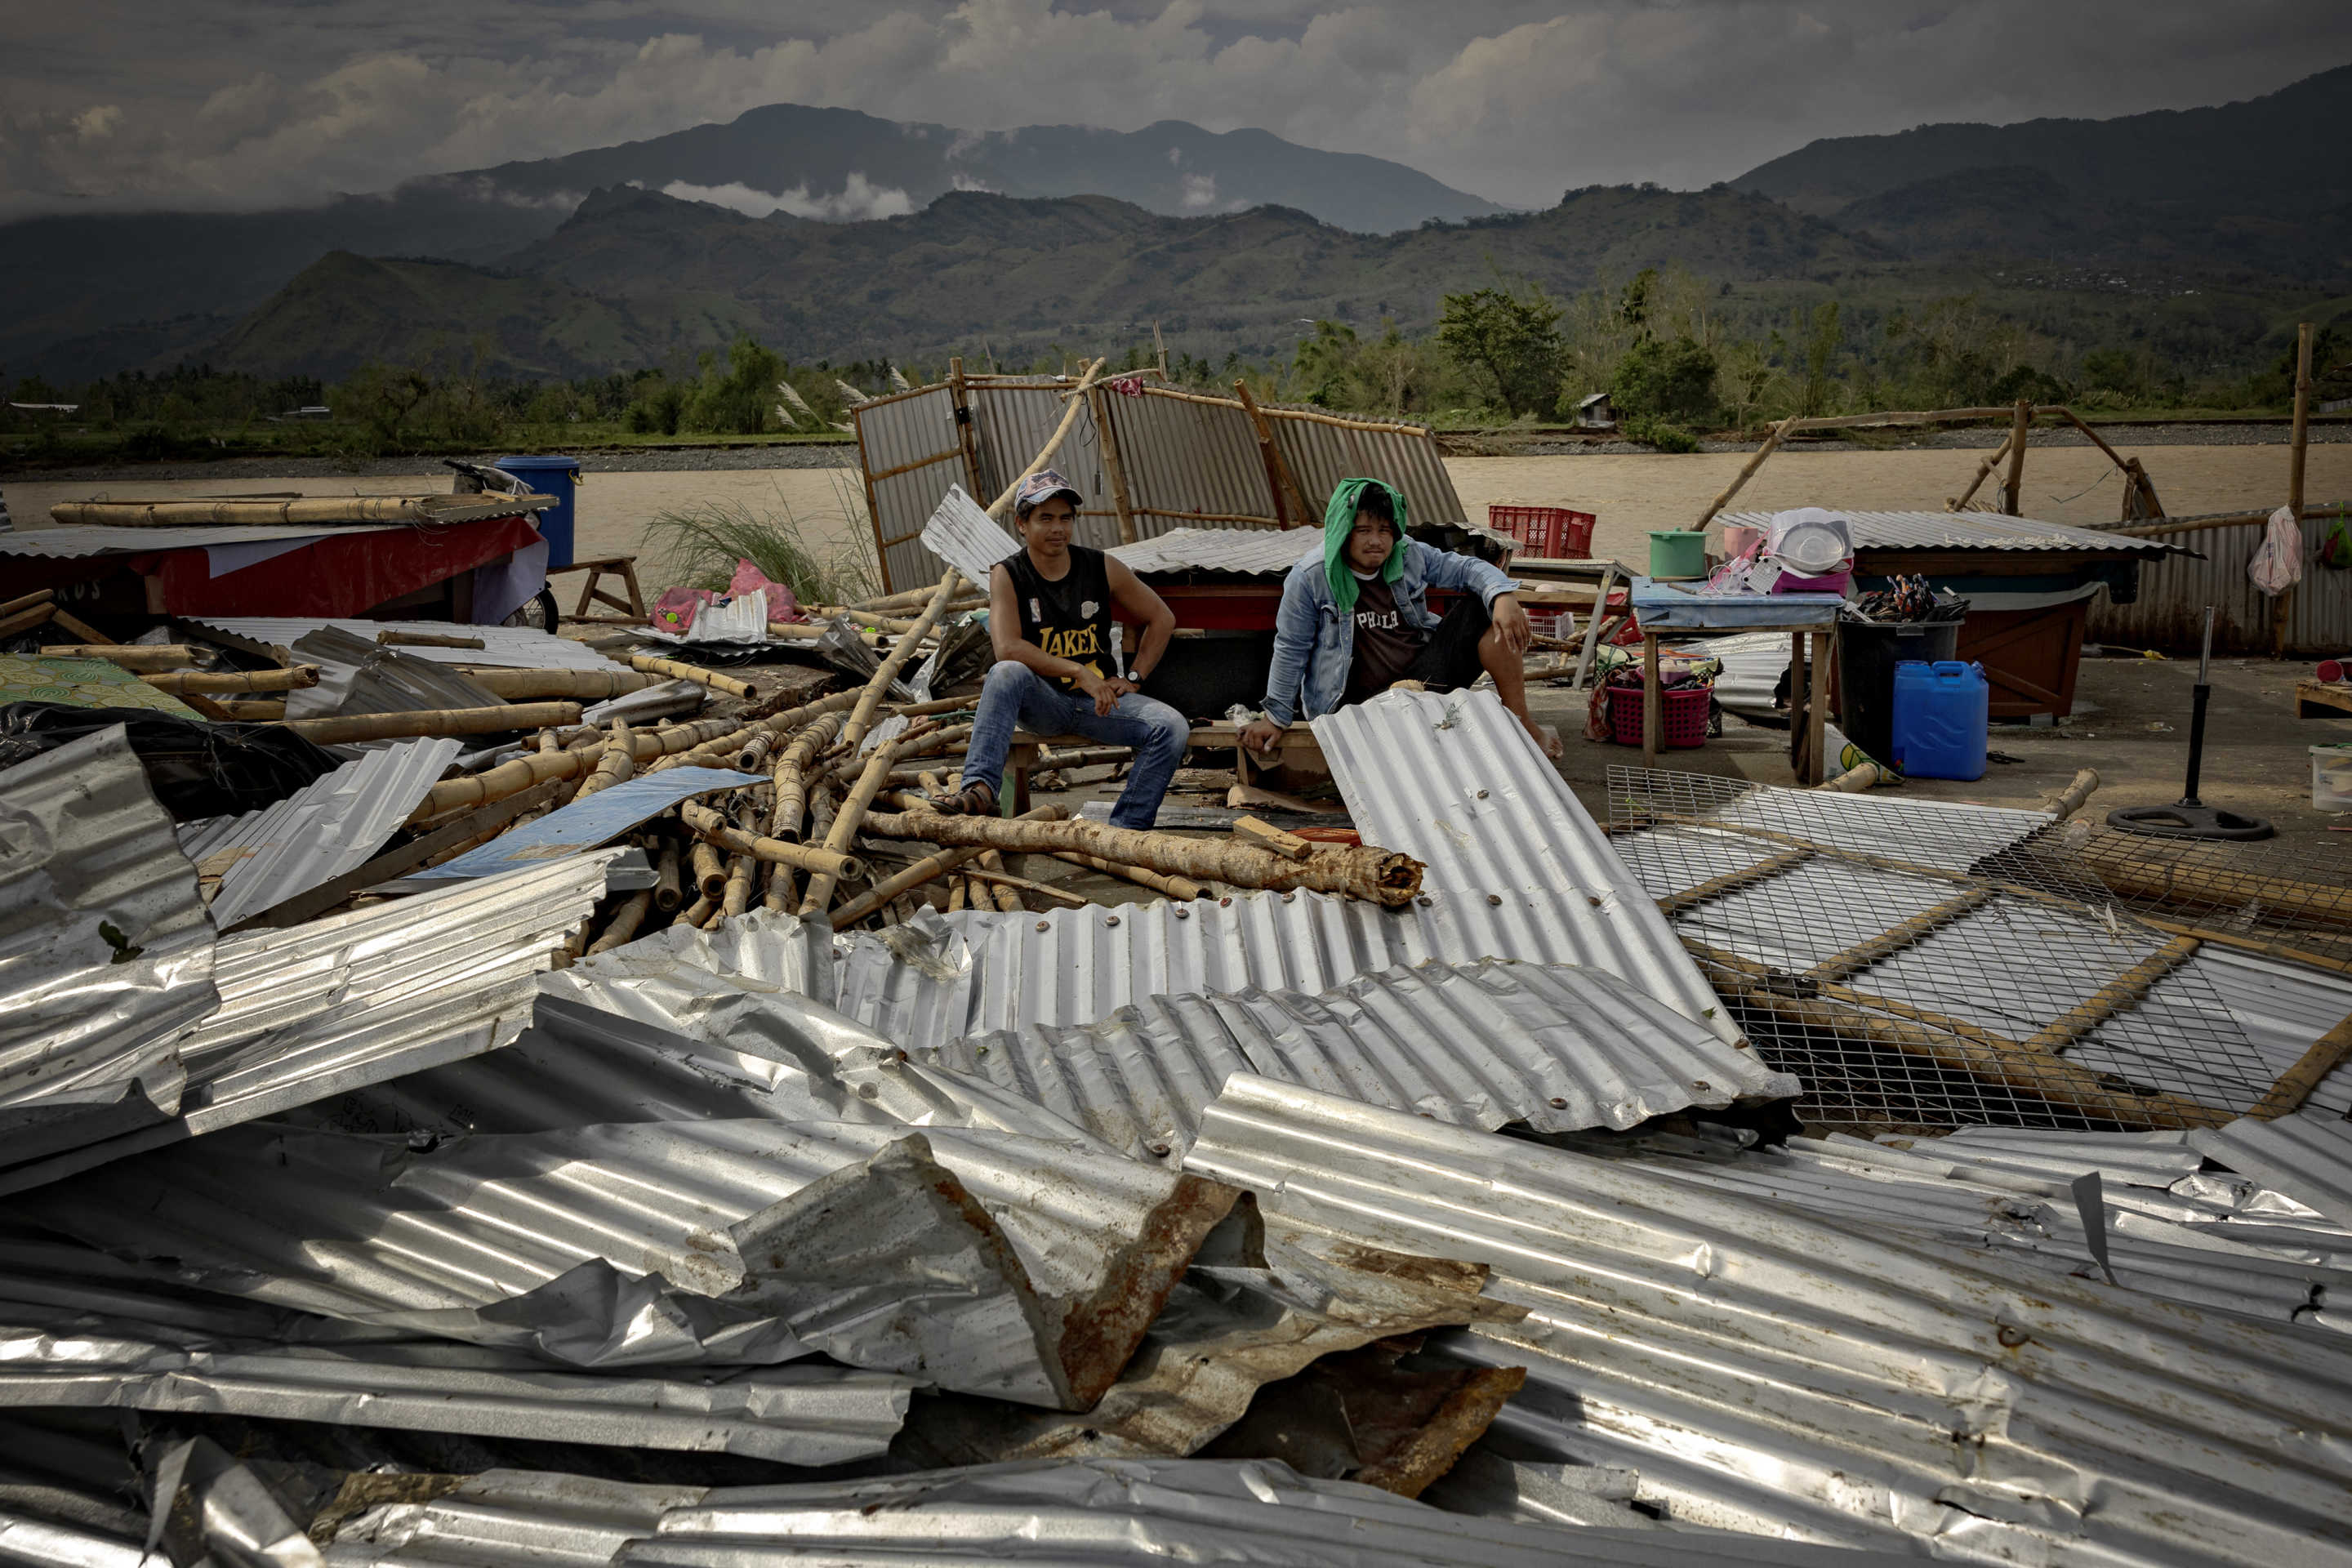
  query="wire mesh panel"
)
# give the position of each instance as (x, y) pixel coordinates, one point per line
(2268, 897)
(1928, 965)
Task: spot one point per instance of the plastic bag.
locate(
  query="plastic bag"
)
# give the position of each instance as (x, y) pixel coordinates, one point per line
(2277, 565)
(196, 769)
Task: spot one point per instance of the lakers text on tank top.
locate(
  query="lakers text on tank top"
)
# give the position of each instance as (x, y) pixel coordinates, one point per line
(1070, 618)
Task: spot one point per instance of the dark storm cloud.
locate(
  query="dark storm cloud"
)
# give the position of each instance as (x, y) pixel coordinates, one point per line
(243, 102)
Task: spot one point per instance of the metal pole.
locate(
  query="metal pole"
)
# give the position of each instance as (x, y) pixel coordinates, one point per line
(2202, 693)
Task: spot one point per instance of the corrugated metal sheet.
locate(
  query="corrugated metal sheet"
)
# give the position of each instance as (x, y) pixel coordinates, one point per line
(1189, 461)
(1970, 530)
(584, 824)
(961, 532)
(318, 833)
(1322, 451)
(910, 441)
(1456, 782)
(796, 1415)
(2308, 1156)
(2138, 1159)
(85, 851)
(936, 978)
(503, 648)
(318, 1009)
(502, 1517)
(1251, 552)
(1011, 420)
(1475, 1044)
(2169, 610)
(72, 543)
(1825, 1379)
(44, 1542)
(1149, 1512)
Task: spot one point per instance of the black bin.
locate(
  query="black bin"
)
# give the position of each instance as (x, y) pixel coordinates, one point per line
(1202, 676)
(1868, 652)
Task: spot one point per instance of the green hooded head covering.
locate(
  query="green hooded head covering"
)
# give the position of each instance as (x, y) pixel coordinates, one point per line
(1338, 521)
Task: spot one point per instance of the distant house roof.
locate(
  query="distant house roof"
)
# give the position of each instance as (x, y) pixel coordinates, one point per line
(48, 407)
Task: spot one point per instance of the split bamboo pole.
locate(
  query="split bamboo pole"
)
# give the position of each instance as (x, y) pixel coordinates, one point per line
(540, 684)
(82, 629)
(1020, 885)
(1771, 441)
(1359, 872)
(844, 831)
(353, 727)
(143, 658)
(234, 680)
(673, 669)
(711, 827)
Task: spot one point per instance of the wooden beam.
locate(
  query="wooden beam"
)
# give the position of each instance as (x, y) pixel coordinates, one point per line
(2125, 992)
(1895, 938)
(2298, 447)
(1732, 881)
(2012, 490)
(2294, 1085)
(1772, 439)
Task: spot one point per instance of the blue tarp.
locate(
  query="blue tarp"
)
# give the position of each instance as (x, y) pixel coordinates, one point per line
(585, 824)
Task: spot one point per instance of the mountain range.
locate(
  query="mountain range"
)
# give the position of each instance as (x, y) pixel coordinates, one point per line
(832, 234)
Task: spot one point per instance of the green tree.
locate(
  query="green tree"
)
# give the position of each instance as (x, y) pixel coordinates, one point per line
(1821, 357)
(1674, 381)
(1511, 345)
(736, 400)
(1326, 366)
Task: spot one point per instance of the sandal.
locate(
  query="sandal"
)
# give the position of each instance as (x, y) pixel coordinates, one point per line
(975, 799)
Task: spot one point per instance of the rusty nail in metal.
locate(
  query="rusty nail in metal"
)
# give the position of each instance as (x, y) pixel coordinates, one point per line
(1701, 1083)
(1110, 919)
(1558, 1103)
(1595, 902)
(1482, 794)
(1045, 925)
(1494, 899)
(1182, 913)
(1424, 901)
(2011, 1338)
(867, 1092)
(1160, 1150)
(1290, 896)
(1226, 902)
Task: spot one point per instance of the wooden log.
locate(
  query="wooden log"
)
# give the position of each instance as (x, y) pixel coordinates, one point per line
(182, 681)
(623, 927)
(2298, 447)
(1177, 887)
(673, 669)
(1772, 439)
(712, 828)
(351, 727)
(1379, 876)
(26, 619)
(618, 764)
(389, 638)
(25, 601)
(540, 684)
(255, 709)
(669, 888)
(88, 634)
(1264, 835)
(709, 869)
(143, 658)
(2012, 490)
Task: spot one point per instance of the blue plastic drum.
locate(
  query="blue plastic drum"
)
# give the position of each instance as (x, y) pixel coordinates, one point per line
(557, 477)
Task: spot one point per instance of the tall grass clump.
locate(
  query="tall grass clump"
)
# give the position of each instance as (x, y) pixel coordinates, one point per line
(700, 543)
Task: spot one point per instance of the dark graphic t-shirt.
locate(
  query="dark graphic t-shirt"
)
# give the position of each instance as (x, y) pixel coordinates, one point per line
(1069, 618)
(1385, 645)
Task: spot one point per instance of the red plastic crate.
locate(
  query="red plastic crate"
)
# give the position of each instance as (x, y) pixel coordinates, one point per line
(1551, 532)
(1682, 715)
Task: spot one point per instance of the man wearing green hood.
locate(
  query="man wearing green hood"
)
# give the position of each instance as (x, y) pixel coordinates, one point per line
(1355, 619)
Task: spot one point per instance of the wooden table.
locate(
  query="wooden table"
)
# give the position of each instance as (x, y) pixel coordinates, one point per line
(1664, 609)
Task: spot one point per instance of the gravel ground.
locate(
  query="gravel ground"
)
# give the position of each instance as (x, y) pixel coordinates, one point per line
(617, 460)
(1506, 444)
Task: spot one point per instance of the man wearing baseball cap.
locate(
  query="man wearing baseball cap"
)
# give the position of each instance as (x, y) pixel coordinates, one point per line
(1049, 616)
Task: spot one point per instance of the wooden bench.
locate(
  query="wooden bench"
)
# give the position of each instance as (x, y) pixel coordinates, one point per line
(1296, 749)
(592, 591)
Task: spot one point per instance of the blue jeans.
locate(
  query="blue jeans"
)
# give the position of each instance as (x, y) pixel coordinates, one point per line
(1015, 696)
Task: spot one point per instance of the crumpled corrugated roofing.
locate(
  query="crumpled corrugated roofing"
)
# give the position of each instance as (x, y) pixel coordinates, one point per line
(1476, 1045)
(317, 1009)
(1970, 530)
(516, 648)
(550, 1517)
(360, 675)
(794, 1415)
(85, 850)
(966, 537)
(318, 833)
(2308, 1156)
(1827, 1379)
(1251, 551)
(1453, 781)
(584, 823)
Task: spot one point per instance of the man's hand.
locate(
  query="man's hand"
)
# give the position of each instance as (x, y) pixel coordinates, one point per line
(1105, 690)
(1510, 620)
(1261, 735)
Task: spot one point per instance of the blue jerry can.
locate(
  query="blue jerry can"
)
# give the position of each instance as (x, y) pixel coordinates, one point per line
(1942, 711)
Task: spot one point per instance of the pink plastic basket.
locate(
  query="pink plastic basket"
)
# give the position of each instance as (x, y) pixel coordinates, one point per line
(1682, 715)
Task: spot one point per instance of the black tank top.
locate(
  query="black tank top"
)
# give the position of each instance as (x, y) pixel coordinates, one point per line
(1069, 619)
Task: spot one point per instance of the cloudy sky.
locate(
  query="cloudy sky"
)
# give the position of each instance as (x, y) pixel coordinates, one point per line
(241, 103)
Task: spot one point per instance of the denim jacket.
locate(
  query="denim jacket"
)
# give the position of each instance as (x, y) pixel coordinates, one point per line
(1314, 643)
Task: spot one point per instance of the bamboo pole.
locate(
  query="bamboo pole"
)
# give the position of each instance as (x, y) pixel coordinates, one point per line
(844, 831)
(425, 639)
(618, 764)
(959, 392)
(2097, 440)
(234, 680)
(540, 684)
(82, 629)
(255, 709)
(709, 868)
(1772, 439)
(623, 927)
(1278, 476)
(2227, 520)
(698, 913)
(710, 827)
(2125, 992)
(2298, 448)
(351, 727)
(2012, 492)
(1114, 467)
(1991, 462)
(25, 620)
(1177, 887)
(143, 658)
(37, 596)
(1379, 876)
(667, 889)
(790, 783)
(2066, 802)
(673, 669)
(539, 767)
(929, 869)
(1020, 885)
(740, 880)
(721, 749)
